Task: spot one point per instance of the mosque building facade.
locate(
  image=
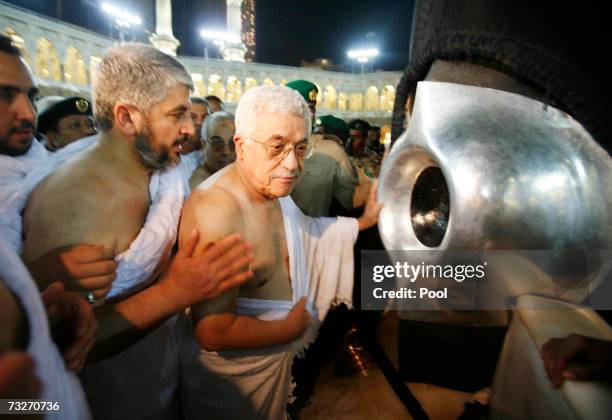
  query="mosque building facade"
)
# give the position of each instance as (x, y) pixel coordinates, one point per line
(64, 58)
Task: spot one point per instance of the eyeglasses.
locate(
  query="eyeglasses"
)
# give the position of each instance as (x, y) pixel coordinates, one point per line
(278, 150)
(219, 144)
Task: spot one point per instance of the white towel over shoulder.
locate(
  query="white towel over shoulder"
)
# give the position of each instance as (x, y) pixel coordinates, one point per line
(257, 383)
(58, 384)
(142, 381)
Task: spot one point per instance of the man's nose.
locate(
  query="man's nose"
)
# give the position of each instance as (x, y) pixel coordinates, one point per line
(227, 148)
(24, 109)
(188, 129)
(290, 161)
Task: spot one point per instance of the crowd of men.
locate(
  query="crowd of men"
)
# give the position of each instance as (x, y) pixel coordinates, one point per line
(149, 243)
(173, 255)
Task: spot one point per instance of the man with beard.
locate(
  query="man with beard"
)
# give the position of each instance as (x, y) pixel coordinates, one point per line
(238, 364)
(24, 320)
(17, 95)
(21, 158)
(103, 196)
(218, 135)
(200, 110)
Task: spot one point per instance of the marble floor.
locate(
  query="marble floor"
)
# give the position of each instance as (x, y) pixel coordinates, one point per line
(371, 397)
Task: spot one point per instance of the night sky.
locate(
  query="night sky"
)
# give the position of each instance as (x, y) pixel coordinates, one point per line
(287, 32)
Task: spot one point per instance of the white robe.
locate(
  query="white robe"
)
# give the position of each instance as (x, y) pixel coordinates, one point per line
(19, 175)
(57, 383)
(256, 383)
(142, 381)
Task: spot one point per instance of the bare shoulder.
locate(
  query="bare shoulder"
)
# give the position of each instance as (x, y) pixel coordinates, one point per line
(68, 207)
(215, 212)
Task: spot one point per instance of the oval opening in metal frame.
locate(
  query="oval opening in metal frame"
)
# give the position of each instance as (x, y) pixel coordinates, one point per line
(430, 207)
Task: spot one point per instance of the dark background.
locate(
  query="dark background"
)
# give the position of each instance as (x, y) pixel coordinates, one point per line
(287, 32)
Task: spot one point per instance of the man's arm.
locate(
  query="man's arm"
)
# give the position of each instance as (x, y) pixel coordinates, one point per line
(577, 357)
(215, 213)
(346, 180)
(82, 268)
(190, 279)
(372, 209)
(57, 219)
(51, 224)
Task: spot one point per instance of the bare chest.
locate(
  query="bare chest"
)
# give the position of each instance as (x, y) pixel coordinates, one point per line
(125, 217)
(264, 228)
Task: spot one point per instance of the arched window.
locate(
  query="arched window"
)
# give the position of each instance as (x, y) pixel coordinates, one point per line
(249, 83)
(356, 102)
(19, 42)
(215, 86)
(234, 89)
(329, 97)
(371, 99)
(47, 63)
(74, 67)
(387, 98)
(319, 95)
(94, 62)
(199, 86)
(342, 99)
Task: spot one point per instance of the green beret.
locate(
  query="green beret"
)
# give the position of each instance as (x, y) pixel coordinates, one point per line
(74, 105)
(305, 88)
(330, 121)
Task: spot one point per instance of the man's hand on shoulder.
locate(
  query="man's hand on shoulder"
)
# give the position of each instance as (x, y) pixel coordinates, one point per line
(81, 268)
(221, 265)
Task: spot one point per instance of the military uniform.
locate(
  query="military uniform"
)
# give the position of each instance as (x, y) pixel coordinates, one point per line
(369, 162)
(328, 174)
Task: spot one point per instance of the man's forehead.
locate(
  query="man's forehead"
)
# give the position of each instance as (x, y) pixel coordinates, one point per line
(198, 107)
(15, 72)
(223, 125)
(271, 125)
(75, 117)
(177, 98)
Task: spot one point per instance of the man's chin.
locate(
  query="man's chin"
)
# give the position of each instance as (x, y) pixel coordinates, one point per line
(17, 146)
(174, 161)
(283, 191)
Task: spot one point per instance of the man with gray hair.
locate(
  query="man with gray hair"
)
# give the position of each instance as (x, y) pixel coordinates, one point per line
(219, 150)
(103, 196)
(238, 363)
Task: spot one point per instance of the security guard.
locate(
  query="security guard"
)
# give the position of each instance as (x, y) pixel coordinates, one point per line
(363, 158)
(66, 121)
(309, 92)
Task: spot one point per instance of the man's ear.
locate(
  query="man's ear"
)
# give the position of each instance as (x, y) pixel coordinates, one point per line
(240, 142)
(127, 119)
